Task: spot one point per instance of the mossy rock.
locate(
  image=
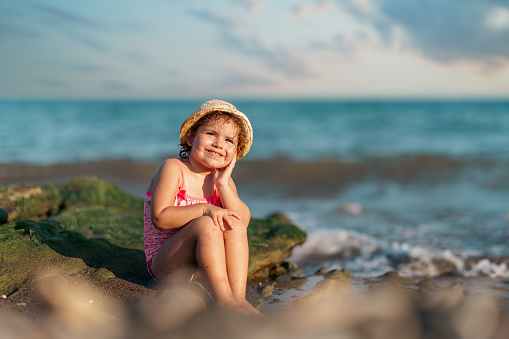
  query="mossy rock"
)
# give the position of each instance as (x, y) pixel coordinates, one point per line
(23, 258)
(92, 191)
(101, 275)
(25, 201)
(271, 241)
(57, 242)
(123, 229)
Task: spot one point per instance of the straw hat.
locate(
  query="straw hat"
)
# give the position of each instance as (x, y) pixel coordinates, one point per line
(219, 106)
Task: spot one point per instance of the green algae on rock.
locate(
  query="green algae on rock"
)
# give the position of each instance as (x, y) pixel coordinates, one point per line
(92, 191)
(24, 258)
(271, 241)
(28, 201)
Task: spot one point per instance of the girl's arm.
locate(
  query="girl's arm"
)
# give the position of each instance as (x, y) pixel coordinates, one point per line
(165, 215)
(232, 201)
(228, 192)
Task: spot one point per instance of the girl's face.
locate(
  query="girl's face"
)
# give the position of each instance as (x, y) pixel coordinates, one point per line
(215, 143)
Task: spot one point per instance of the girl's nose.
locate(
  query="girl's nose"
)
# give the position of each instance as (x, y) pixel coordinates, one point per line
(218, 143)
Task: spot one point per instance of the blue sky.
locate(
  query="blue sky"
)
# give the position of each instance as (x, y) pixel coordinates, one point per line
(164, 49)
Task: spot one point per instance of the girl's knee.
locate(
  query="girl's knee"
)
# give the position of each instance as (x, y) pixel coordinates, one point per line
(239, 227)
(205, 226)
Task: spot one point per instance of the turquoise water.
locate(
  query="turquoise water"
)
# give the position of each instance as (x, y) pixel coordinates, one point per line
(56, 132)
(418, 187)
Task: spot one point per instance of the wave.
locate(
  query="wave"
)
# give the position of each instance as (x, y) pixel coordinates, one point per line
(295, 177)
(366, 256)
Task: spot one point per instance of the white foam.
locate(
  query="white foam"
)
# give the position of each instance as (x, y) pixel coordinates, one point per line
(485, 267)
(366, 256)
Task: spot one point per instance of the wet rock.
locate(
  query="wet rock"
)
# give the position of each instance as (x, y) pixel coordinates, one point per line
(339, 275)
(277, 272)
(267, 291)
(257, 303)
(425, 286)
(271, 241)
(321, 271)
(393, 278)
(292, 268)
(335, 284)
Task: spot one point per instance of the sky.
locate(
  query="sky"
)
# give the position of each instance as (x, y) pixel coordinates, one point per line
(178, 49)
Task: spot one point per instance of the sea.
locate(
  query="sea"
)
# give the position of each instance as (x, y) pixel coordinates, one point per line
(418, 187)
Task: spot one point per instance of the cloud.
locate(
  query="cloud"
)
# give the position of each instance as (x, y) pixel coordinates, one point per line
(10, 30)
(445, 31)
(115, 86)
(498, 18)
(237, 79)
(303, 11)
(63, 16)
(55, 83)
(253, 7)
(215, 18)
(277, 59)
(84, 67)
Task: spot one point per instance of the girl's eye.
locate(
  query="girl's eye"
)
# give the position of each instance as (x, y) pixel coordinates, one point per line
(210, 133)
(229, 140)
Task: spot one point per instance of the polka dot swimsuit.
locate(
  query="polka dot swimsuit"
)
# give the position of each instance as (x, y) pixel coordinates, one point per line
(154, 237)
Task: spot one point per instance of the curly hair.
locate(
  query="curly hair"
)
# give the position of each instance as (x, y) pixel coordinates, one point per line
(219, 117)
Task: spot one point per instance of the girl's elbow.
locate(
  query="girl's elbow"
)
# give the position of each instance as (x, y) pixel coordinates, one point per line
(155, 222)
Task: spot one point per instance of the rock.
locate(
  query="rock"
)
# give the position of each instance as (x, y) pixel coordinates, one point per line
(292, 268)
(24, 258)
(277, 272)
(257, 303)
(92, 191)
(267, 291)
(325, 290)
(392, 278)
(425, 286)
(28, 201)
(321, 271)
(101, 275)
(270, 242)
(339, 275)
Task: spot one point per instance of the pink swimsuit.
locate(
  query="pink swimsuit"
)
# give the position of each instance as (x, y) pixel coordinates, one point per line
(154, 237)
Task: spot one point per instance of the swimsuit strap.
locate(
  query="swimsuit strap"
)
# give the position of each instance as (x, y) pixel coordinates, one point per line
(181, 172)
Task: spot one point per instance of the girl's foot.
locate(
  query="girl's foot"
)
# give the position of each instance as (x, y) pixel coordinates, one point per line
(247, 307)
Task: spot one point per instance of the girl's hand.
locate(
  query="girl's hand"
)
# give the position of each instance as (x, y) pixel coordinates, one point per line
(222, 175)
(221, 217)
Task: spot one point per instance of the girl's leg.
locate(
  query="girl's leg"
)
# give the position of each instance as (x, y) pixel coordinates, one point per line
(237, 260)
(201, 245)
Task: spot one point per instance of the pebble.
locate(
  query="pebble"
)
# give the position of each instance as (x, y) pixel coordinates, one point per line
(4, 296)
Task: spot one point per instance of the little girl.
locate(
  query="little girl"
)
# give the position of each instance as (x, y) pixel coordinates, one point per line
(194, 218)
